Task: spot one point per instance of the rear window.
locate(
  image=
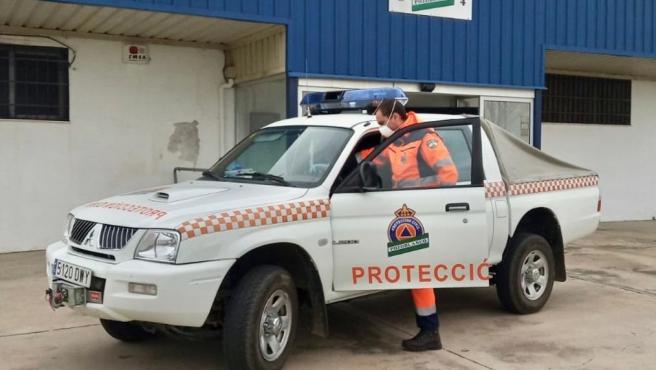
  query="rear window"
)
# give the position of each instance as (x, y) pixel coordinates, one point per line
(460, 150)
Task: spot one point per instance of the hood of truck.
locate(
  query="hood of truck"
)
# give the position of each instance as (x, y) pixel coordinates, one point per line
(168, 206)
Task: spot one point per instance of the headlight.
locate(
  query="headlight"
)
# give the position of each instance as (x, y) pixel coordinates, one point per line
(68, 226)
(158, 245)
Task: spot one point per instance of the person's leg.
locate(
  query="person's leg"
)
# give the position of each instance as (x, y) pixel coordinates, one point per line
(427, 321)
(426, 310)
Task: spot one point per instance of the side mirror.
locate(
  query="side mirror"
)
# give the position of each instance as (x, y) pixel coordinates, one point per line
(369, 177)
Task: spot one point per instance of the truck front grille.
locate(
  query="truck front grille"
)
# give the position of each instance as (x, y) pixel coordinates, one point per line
(115, 237)
(80, 230)
(111, 237)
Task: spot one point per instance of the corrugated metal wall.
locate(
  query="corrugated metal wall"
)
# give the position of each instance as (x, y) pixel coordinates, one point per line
(259, 55)
(503, 45)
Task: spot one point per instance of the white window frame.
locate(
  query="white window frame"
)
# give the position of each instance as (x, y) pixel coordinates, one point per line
(530, 102)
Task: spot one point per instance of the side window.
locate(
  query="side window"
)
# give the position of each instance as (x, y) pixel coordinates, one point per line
(366, 144)
(457, 140)
(426, 158)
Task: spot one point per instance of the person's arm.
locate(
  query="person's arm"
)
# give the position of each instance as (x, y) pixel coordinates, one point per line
(437, 157)
(364, 153)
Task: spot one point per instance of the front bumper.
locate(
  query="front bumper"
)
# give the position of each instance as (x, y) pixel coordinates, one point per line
(185, 293)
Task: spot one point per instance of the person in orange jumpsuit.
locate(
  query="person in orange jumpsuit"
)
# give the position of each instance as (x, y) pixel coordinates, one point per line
(417, 159)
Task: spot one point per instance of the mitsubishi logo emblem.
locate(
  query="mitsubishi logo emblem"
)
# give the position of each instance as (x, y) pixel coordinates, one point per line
(88, 241)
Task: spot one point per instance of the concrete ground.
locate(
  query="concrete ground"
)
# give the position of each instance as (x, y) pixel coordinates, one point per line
(603, 317)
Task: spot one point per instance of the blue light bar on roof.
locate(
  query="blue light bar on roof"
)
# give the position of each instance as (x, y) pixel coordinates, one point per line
(343, 100)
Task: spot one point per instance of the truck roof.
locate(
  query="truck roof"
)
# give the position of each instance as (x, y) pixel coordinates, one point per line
(350, 120)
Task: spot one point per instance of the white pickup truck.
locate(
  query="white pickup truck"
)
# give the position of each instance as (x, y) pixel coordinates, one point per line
(290, 220)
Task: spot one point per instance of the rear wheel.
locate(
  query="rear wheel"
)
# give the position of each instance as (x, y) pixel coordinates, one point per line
(126, 331)
(526, 275)
(261, 319)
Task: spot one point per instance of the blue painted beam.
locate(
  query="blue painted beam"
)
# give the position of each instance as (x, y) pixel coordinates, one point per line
(240, 10)
(503, 45)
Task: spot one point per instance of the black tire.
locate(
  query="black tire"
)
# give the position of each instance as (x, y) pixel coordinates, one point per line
(244, 312)
(509, 278)
(126, 331)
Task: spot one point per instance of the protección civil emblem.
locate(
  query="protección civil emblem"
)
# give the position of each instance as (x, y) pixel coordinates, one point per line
(405, 233)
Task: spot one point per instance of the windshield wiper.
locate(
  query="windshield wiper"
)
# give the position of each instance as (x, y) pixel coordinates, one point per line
(208, 173)
(264, 176)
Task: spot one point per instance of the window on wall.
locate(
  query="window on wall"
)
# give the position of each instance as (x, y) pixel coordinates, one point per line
(577, 99)
(513, 114)
(33, 82)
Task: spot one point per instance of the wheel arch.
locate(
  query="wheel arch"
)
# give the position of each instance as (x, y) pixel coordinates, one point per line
(300, 265)
(543, 221)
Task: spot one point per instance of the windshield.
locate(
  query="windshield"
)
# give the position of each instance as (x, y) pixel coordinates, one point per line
(299, 156)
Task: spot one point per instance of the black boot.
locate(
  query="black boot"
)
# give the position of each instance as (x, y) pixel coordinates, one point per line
(426, 340)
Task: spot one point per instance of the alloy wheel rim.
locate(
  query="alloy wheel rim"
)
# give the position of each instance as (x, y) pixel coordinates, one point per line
(534, 275)
(275, 325)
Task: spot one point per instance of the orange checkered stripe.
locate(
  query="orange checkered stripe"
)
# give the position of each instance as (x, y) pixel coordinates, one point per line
(495, 189)
(553, 185)
(253, 217)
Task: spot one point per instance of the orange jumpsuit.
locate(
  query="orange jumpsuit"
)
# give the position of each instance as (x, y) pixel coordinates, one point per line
(419, 159)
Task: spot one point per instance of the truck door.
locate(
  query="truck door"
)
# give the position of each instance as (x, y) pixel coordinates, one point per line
(390, 235)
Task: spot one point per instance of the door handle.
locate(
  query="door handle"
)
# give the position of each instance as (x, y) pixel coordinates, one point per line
(457, 207)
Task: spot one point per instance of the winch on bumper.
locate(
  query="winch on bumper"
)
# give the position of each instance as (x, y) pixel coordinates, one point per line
(183, 295)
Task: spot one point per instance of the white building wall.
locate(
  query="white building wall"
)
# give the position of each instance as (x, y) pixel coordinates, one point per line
(121, 136)
(624, 156)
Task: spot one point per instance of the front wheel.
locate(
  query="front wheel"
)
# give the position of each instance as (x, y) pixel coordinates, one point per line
(526, 275)
(261, 319)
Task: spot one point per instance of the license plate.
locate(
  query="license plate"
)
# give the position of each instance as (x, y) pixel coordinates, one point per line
(71, 273)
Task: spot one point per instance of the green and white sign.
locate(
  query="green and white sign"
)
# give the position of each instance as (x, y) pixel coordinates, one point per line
(418, 5)
(407, 245)
(457, 9)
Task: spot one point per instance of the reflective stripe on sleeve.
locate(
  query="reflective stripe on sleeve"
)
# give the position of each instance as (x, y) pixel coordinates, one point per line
(442, 163)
